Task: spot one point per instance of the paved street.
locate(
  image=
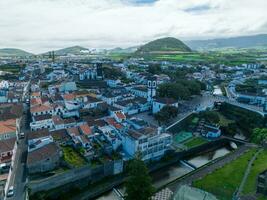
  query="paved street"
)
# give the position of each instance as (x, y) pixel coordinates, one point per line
(18, 174)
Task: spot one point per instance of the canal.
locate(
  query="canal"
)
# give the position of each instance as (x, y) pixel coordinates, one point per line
(173, 172)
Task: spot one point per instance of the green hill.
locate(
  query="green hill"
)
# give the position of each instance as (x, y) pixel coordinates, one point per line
(6, 52)
(76, 50)
(252, 41)
(164, 45)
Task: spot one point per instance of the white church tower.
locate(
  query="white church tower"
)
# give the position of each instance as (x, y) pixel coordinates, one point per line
(151, 87)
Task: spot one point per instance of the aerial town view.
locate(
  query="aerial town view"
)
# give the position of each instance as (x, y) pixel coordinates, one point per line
(133, 100)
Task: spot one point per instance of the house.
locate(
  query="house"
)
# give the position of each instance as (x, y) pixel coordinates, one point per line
(211, 131)
(86, 130)
(35, 136)
(8, 129)
(41, 109)
(91, 102)
(61, 137)
(113, 82)
(41, 121)
(119, 116)
(67, 87)
(43, 159)
(133, 106)
(58, 122)
(159, 103)
(150, 142)
(140, 91)
(6, 150)
(35, 95)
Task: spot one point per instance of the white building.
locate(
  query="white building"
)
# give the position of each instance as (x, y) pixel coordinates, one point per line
(159, 103)
(149, 142)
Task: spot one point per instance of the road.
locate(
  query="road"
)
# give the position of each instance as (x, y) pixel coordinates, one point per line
(18, 176)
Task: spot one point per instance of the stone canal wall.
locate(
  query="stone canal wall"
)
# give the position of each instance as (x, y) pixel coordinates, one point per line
(85, 173)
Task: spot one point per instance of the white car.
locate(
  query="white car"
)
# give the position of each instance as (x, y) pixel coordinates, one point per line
(10, 192)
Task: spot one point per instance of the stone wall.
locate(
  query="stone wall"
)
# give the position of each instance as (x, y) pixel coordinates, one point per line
(85, 173)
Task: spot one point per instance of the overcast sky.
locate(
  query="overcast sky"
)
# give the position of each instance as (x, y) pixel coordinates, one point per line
(42, 25)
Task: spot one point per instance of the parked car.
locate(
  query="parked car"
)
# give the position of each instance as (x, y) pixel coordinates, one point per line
(10, 192)
(21, 135)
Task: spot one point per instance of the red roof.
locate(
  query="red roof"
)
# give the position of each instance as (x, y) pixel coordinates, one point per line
(85, 129)
(73, 131)
(112, 122)
(69, 96)
(120, 115)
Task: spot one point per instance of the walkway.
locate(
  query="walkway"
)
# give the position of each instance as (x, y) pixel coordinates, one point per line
(203, 171)
(241, 186)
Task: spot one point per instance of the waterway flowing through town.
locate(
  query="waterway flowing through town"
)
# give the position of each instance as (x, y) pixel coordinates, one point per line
(171, 173)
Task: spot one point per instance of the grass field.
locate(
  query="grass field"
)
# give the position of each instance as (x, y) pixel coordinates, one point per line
(224, 182)
(259, 165)
(182, 136)
(72, 157)
(197, 141)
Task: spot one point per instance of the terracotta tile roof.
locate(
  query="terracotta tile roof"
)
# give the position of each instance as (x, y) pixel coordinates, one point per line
(57, 120)
(85, 129)
(73, 131)
(8, 126)
(41, 108)
(120, 115)
(69, 96)
(38, 134)
(7, 145)
(60, 135)
(42, 153)
(10, 111)
(112, 122)
(36, 101)
(35, 94)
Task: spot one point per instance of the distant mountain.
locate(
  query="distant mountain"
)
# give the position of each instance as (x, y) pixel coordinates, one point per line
(70, 50)
(121, 50)
(164, 45)
(234, 42)
(6, 52)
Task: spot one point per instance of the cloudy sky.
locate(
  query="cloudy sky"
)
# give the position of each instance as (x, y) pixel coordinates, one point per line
(41, 25)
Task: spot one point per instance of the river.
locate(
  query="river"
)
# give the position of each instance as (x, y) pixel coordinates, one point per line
(169, 174)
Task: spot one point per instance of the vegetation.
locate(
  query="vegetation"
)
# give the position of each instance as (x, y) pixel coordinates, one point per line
(112, 73)
(72, 157)
(139, 185)
(243, 119)
(258, 166)
(259, 135)
(164, 45)
(14, 52)
(166, 113)
(197, 141)
(232, 174)
(210, 116)
(181, 90)
(14, 69)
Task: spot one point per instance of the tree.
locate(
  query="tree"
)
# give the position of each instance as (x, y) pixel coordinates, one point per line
(210, 116)
(259, 135)
(166, 113)
(154, 69)
(139, 185)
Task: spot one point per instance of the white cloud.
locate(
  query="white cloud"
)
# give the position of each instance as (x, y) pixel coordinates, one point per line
(40, 25)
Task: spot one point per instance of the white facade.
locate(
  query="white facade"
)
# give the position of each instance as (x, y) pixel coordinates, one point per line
(151, 147)
(157, 106)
